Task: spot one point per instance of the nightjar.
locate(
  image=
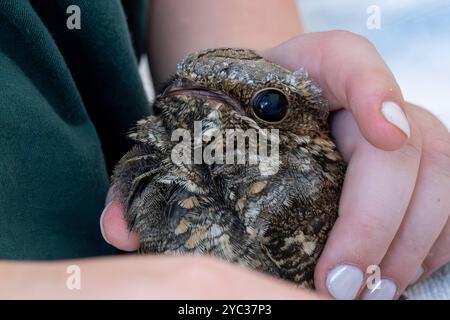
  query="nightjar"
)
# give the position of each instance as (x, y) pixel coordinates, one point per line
(236, 162)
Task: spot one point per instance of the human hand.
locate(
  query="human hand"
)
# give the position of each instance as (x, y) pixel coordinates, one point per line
(395, 204)
(398, 171)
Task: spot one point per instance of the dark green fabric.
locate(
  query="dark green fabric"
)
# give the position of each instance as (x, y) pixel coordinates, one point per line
(67, 99)
(136, 12)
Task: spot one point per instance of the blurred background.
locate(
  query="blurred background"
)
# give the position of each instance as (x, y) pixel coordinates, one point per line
(413, 37)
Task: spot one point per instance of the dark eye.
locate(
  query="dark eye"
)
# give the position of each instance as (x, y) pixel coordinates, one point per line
(270, 105)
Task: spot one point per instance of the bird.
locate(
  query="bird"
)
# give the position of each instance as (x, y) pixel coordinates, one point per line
(190, 186)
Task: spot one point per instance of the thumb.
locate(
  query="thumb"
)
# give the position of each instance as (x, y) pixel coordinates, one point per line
(114, 227)
(353, 76)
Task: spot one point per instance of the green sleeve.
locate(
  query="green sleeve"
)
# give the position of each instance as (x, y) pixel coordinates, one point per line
(67, 99)
(136, 12)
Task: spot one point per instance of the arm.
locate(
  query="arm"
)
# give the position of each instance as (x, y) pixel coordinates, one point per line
(133, 277)
(179, 27)
(176, 28)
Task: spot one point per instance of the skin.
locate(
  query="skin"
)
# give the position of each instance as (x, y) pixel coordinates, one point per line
(394, 208)
(136, 277)
(210, 24)
(151, 277)
(405, 211)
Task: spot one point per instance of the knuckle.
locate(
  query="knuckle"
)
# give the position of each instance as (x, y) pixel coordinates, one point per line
(338, 38)
(413, 247)
(374, 227)
(340, 33)
(347, 35)
(361, 39)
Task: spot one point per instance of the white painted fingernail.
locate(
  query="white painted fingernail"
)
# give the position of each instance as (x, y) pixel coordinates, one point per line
(418, 275)
(101, 223)
(384, 289)
(395, 115)
(344, 282)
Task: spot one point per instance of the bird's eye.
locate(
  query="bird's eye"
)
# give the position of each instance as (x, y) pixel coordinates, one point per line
(270, 105)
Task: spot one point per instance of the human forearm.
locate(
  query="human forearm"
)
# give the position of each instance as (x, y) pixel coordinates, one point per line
(149, 277)
(179, 27)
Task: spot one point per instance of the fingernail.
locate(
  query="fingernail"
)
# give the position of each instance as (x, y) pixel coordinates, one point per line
(383, 290)
(418, 275)
(395, 115)
(101, 223)
(109, 195)
(344, 282)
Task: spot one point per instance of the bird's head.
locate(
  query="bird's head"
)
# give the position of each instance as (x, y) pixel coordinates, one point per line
(250, 88)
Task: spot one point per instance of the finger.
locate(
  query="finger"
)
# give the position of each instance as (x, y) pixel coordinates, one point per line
(376, 193)
(115, 230)
(354, 76)
(439, 254)
(428, 210)
(437, 153)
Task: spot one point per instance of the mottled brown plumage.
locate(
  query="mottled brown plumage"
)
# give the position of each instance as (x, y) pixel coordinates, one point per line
(276, 223)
